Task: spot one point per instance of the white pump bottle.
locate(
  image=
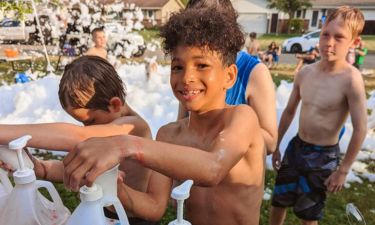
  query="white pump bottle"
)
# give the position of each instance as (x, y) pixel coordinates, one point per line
(24, 205)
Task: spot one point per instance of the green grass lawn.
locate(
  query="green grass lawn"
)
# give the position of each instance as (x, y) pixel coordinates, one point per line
(361, 195)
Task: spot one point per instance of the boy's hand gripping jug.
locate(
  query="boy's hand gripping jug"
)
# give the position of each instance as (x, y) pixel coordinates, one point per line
(24, 205)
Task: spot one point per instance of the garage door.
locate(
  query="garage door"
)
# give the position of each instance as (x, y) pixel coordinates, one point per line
(253, 23)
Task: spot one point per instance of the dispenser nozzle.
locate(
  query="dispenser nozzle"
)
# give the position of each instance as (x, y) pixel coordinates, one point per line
(18, 144)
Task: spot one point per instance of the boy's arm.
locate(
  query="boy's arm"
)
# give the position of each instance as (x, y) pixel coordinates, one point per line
(51, 170)
(152, 204)
(262, 99)
(286, 118)
(206, 167)
(361, 52)
(59, 136)
(358, 112)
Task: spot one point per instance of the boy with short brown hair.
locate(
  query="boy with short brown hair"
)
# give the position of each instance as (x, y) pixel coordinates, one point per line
(329, 90)
(92, 92)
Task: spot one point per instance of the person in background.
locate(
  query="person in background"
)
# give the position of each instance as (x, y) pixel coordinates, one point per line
(271, 56)
(100, 43)
(310, 57)
(253, 46)
(360, 54)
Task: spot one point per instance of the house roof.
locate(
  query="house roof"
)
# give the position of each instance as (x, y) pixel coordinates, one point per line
(148, 3)
(335, 3)
(251, 6)
(143, 3)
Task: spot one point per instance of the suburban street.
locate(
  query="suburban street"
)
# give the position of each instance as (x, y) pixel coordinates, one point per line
(284, 58)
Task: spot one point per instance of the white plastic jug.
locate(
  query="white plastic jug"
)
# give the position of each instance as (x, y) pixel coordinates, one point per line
(108, 181)
(90, 210)
(24, 205)
(180, 194)
(5, 184)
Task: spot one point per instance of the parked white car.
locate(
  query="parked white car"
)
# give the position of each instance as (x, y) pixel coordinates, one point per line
(301, 44)
(13, 31)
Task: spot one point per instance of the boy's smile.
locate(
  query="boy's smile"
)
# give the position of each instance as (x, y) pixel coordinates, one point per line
(189, 95)
(198, 78)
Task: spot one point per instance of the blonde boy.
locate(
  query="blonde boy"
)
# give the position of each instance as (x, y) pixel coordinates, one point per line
(329, 90)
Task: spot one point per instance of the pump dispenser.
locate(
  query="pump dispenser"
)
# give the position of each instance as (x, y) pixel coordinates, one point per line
(9, 156)
(90, 211)
(180, 194)
(24, 205)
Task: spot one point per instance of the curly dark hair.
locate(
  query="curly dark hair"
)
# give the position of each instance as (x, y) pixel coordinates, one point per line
(207, 27)
(90, 82)
(225, 5)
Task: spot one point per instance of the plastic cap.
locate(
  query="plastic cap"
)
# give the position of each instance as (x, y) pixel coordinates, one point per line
(183, 222)
(182, 192)
(19, 143)
(24, 176)
(89, 194)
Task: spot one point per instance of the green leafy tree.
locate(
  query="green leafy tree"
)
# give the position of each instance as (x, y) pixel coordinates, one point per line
(289, 7)
(20, 8)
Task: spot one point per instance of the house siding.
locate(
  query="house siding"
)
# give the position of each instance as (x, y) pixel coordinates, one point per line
(169, 8)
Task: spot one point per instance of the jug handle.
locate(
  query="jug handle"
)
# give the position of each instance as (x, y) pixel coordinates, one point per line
(109, 200)
(52, 191)
(5, 181)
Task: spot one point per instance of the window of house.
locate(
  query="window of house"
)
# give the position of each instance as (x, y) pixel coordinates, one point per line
(304, 14)
(144, 13)
(324, 12)
(298, 13)
(150, 14)
(314, 20)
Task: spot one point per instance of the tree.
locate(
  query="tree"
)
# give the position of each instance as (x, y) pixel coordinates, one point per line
(289, 7)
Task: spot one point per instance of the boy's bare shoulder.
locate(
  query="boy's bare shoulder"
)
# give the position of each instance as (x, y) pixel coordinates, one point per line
(354, 73)
(141, 127)
(354, 78)
(169, 131)
(308, 70)
(243, 113)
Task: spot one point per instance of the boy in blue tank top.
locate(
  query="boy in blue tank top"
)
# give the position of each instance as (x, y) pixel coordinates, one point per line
(254, 85)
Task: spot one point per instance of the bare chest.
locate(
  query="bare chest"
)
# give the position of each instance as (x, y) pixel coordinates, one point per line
(200, 141)
(325, 93)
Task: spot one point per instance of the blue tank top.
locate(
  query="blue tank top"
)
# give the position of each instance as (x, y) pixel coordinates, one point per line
(245, 64)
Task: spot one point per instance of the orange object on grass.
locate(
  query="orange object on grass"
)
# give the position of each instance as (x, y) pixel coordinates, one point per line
(10, 52)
